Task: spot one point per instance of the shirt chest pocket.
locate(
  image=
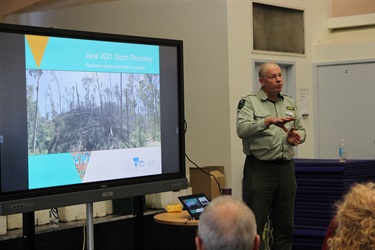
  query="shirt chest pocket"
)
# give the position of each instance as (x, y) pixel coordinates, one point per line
(261, 114)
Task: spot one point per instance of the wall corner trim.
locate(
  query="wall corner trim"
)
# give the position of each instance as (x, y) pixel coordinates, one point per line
(351, 21)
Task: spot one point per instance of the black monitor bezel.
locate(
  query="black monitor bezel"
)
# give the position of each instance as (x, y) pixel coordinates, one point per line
(32, 200)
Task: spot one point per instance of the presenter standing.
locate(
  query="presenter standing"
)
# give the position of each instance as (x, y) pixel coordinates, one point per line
(270, 126)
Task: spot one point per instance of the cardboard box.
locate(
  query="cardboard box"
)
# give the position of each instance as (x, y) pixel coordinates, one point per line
(203, 181)
(162, 200)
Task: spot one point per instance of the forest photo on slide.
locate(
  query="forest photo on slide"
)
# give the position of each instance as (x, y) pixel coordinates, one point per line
(70, 111)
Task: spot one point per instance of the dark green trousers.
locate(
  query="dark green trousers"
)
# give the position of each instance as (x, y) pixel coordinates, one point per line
(270, 188)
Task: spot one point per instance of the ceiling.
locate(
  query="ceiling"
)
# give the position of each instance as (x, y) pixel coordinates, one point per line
(8, 7)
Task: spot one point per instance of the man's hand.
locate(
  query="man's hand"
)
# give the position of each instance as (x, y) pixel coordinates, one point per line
(279, 122)
(294, 137)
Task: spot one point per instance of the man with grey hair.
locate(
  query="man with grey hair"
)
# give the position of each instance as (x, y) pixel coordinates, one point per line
(270, 126)
(227, 224)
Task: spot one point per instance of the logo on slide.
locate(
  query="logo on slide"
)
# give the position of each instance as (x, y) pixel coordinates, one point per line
(81, 160)
(37, 45)
(138, 163)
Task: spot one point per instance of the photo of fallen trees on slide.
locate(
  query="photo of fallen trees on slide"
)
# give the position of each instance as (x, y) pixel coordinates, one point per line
(72, 111)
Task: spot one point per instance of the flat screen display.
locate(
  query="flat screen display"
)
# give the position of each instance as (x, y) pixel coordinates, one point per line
(88, 112)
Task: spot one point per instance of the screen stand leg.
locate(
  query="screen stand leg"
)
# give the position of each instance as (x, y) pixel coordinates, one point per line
(90, 226)
(28, 227)
(138, 204)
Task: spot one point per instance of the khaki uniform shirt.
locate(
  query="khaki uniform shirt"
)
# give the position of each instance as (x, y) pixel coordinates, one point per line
(267, 143)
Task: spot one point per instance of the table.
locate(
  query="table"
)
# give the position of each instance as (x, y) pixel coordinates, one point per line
(178, 219)
(175, 230)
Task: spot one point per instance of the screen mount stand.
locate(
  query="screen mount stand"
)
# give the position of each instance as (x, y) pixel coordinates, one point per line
(90, 226)
(28, 220)
(28, 227)
(138, 209)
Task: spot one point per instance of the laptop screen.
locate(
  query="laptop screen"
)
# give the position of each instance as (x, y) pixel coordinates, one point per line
(194, 204)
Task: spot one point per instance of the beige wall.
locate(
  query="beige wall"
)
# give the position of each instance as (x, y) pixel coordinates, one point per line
(218, 55)
(342, 8)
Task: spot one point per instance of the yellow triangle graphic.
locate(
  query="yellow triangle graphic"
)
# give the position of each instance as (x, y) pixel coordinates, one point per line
(37, 45)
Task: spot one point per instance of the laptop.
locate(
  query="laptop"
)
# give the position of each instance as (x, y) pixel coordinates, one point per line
(194, 204)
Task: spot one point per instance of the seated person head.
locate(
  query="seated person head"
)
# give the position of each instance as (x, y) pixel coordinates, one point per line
(227, 223)
(355, 218)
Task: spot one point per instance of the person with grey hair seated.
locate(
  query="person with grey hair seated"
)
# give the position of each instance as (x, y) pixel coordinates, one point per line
(227, 224)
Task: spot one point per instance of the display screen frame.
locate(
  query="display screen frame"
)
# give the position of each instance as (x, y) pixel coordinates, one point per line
(14, 127)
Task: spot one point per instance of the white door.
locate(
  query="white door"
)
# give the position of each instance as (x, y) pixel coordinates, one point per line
(345, 109)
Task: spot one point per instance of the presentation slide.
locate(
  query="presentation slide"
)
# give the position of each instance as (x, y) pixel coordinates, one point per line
(93, 110)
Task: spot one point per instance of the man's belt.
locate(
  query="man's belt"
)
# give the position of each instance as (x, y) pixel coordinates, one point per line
(277, 162)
